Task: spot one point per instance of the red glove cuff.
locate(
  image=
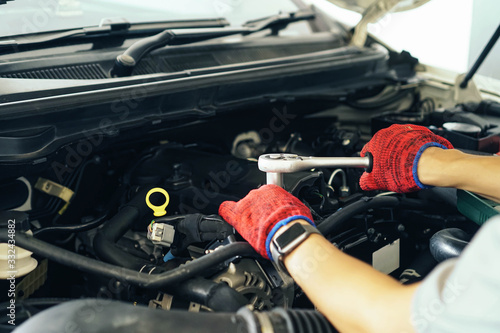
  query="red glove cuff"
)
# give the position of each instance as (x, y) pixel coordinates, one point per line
(417, 158)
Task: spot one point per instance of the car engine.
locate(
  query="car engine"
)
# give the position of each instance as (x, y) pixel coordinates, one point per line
(137, 221)
(119, 142)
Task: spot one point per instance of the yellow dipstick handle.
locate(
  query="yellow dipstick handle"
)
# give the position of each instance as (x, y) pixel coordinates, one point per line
(158, 210)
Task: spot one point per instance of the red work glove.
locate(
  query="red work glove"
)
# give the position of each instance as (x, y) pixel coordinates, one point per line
(396, 151)
(261, 213)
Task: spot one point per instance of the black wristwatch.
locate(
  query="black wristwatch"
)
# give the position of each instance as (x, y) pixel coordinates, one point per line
(289, 240)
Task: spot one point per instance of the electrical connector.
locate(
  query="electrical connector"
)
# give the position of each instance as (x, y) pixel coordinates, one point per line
(161, 234)
(344, 191)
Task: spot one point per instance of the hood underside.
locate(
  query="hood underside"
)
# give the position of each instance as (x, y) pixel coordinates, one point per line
(361, 5)
(372, 11)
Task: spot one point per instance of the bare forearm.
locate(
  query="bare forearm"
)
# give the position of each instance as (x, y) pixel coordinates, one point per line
(452, 168)
(351, 294)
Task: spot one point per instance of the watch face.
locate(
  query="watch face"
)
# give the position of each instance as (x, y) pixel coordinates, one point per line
(290, 235)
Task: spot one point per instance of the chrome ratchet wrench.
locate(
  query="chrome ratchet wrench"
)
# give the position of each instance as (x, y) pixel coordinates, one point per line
(275, 165)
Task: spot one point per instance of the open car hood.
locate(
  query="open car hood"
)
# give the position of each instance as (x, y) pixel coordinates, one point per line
(372, 11)
(361, 5)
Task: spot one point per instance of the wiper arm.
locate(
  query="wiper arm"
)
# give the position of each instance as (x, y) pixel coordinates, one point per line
(108, 27)
(54, 37)
(278, 22)
(126, 62)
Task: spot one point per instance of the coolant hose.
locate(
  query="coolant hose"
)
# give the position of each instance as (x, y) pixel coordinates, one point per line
(217, 296)
(448, 243)
(104, 316)
(114, 229)
(338, 220)
(157, 281)
(342, 217)
(73, 228)
(81, 227)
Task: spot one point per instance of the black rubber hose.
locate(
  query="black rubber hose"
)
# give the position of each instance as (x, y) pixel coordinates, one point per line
(115, 228)
(339, 219)
(109, 252)
(105, 240)
(73, 228)
(299, 321)
(172, 277)
(104, 316)
(99, 316)
(125, 63)
(342, 217)
(217, 296)
(448, 243)
(113, 201)
(379, 103)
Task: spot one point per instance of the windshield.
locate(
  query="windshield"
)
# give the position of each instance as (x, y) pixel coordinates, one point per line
(32, 16)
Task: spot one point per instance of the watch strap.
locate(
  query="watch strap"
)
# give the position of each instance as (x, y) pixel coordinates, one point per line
(283, 245)
(278, 226)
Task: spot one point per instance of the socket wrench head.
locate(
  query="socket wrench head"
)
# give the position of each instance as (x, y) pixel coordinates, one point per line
(279, 163)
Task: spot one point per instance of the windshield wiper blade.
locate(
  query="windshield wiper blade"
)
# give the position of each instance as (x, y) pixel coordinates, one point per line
(280, 21)
(125, 62)
(108, 27)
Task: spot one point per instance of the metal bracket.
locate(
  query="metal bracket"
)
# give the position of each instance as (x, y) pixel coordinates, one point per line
(56, 190)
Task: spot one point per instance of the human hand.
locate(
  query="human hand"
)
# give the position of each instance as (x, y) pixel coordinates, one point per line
(261, 213)
(396, 151)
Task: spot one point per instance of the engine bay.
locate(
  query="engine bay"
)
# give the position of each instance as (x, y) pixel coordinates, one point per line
(92, 208)
(110, 185)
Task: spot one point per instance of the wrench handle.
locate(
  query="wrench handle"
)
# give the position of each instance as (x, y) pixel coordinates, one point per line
(370, 164)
